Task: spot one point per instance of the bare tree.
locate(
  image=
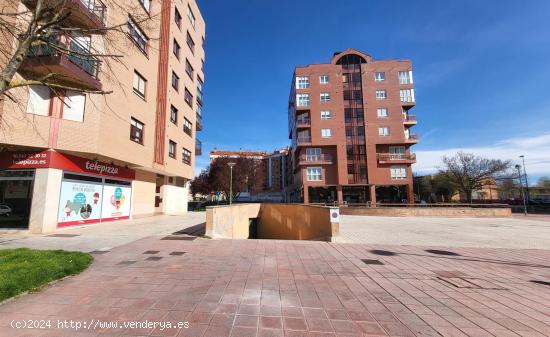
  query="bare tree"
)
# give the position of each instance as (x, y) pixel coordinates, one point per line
(468, 172)
(40, 25)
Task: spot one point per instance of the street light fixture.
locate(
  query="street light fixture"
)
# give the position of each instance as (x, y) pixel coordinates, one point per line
(231, 165)
(518, 167)
(525, 176)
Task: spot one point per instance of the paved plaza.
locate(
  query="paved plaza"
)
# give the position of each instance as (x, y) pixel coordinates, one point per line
(290, 288)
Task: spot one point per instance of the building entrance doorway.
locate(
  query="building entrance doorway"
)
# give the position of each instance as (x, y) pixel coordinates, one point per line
(15, 198)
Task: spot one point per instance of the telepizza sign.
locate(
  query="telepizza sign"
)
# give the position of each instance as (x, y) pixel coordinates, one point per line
(66, 162)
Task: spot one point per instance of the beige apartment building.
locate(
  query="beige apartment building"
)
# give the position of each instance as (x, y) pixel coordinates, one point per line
(68, 158)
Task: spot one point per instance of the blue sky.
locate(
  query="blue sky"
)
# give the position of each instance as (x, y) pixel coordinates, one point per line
(482, 71)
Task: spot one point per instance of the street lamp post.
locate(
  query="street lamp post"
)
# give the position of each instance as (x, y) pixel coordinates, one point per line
(518, 167)
(525, 176)
(231, 165)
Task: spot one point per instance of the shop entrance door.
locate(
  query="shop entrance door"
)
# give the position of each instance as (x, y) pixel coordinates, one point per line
(15, 198)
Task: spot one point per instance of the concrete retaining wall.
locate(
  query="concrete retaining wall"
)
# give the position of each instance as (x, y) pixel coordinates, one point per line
(275, 221)
(429, 211)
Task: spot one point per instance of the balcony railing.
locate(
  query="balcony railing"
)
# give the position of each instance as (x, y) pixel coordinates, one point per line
(97, 7)
(303, 121)
(396, 157)
(75, 52)
(412, 137)
(304, 139)
(198, 147)
(321, 158)
(409, 118)
(199, 122)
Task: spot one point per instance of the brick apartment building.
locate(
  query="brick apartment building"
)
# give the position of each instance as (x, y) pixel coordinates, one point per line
(70, 158)
(273, 166)
(350, 125)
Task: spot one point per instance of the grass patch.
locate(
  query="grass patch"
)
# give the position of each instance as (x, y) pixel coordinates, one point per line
(26, 269)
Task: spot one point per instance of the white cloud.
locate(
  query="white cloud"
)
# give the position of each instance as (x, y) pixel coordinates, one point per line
(536, 150)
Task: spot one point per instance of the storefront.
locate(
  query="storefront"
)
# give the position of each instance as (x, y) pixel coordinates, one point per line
(82, 190)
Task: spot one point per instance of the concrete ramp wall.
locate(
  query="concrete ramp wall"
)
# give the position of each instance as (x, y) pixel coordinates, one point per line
(274, 221)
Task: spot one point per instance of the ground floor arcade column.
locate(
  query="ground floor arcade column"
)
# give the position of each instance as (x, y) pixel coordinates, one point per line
(372, 195)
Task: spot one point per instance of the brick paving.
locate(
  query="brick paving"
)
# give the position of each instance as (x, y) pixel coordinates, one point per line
(287, 288)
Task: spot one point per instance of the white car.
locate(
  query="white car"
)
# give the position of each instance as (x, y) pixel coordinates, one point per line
(5, 210)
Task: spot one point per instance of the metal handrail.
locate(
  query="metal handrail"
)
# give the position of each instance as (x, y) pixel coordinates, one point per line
(396, 156)
(316, 158)
(97, 7)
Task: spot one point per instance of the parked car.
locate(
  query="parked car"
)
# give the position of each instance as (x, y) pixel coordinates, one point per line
(5, 210)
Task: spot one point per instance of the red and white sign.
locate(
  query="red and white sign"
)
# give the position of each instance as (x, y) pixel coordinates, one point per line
(66, 162)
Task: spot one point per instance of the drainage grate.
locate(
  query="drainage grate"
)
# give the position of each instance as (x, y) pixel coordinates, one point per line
(442, 252)
(99, 252)
(544, 283)
(151, 252)
(471, 283)
(177, 253)
(383, 252)
(126, 263)
(183, 238)
(375, 262)
(154, 258)
(63, 235)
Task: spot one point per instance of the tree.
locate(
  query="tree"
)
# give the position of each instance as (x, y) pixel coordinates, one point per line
(41, 26)
(468, 172)
(247, 177)
(543, 182)
(200, 184)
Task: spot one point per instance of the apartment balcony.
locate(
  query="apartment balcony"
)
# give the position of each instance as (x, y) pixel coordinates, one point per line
(198, 123)
(302, 107)
(73, 64)
(396, 158)
(303, 122)
(412, 138)
(87, 14)
(323, 159)
(198, 147)
(409, 119)
(303, 140)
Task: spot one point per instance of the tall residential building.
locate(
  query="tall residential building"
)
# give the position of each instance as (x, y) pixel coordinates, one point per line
(273, 167)
(69, 158)
(350, 125)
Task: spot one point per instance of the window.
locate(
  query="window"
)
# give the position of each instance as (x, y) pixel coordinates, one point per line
(383, 131)
(313, 154)
(379, 76)
(73, 109)
(190, 43)
(189, 69)
(175, 81)
(200, 84)
(191, 16)
(398, 172)
(172, 149)
(136, 131)
(186, 156)
(405, 77)
(177, 18)
(313, 174)
(176, 49)
(398, 152)
(381, 94)
(140, 83)
(146, 5)
(406, 95)
(173, 114)
(187, 127)
(382, 112)
(323, 79)
(137, 35)
(302, 82)
(39, 100)
(326, 133)
(326, 115)
(302, 99)
(188, 98)
(325, 97)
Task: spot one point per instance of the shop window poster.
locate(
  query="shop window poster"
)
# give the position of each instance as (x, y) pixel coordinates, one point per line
(79, 203)
(116, 202)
